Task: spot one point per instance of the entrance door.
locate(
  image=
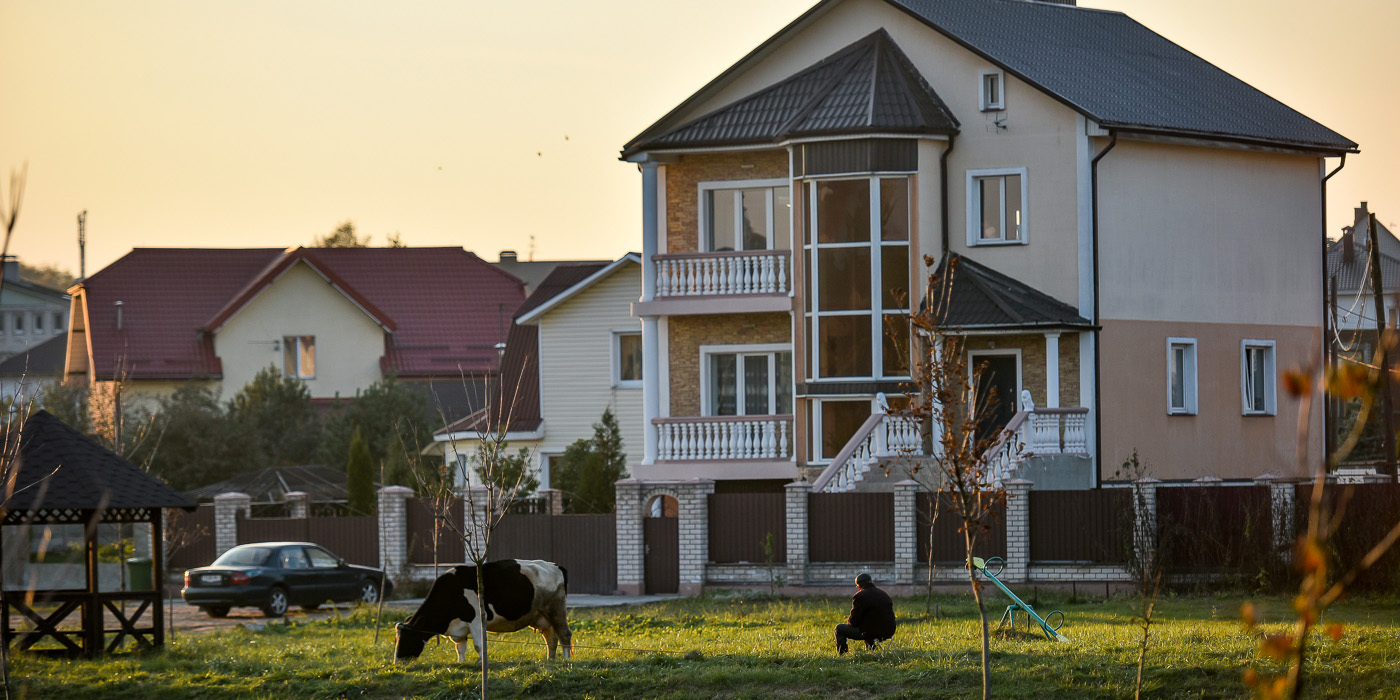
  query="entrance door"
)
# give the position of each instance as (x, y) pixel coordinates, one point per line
(1000, 373)
(663, 554)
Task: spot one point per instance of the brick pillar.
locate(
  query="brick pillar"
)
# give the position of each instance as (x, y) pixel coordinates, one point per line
(1145, 521)
(631, 568)
(797, 493)
(1282, 507)
(227, 506)
(906, 539)
(298, 504)
(393, 528)
(694, 525)
(554, 501)
(1018, 529)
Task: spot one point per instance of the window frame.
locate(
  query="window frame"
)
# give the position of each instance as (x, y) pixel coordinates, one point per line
(876, 244)
(769, 349)
(1191, 372)
(973, 213)
(615, 361)
(985, 103)
(1270, 377)
(817, 414)
(709, 187)
(288, 340)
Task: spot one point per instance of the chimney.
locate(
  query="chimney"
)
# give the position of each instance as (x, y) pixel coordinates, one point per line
(1348, 249)
(11, 268)
(508, 256)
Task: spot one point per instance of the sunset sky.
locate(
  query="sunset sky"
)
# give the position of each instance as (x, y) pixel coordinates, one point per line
(489, 125)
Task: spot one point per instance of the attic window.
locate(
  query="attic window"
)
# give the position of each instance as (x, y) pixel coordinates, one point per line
(299, 356)
(991, 89)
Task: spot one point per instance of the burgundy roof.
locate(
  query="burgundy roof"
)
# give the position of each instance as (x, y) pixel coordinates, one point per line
(444, 308)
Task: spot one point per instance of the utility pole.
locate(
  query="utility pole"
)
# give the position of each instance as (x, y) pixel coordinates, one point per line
(1330, 364)
(1382, 347)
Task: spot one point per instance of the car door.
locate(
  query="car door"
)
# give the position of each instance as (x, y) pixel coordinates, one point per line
(298, 575)
(336, 582)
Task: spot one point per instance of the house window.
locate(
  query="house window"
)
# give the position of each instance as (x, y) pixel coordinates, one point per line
(836, 422)
(299, 356)
(1258, 384)
(1181, 376)
(857, 258)
(746, 215)
(58, 320)
(990, 90)
(996, 206)
(19, 323)
(750, 380)
(627, 359)
(39, 323)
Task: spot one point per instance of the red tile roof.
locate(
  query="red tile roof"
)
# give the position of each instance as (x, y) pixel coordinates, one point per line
(444, 309)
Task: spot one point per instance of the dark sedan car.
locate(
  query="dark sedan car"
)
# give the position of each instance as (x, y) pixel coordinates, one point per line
(275, 575)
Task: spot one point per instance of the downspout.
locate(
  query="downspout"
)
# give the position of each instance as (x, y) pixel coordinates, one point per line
(1328, 420)
(943, 186)
(1098, 352)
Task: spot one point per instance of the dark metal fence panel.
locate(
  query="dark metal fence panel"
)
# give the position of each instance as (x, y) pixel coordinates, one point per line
(191, 537)
(1094, 525)
(948, 546)
(740, 522)
(585, 545)
(1210, 528)
(426, 533)
(1369, 511)
(354, 538)
(850, 527)
(272, 529)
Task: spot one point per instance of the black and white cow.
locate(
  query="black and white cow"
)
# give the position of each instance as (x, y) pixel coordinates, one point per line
(519, 593)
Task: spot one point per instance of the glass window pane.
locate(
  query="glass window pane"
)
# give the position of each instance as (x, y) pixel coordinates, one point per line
(724, 385)
(840, 421)
(989, 199)
(755, 203)
(1178, 377)
(845, 346)
(721, 233)
(308, 356)
(289, 356)
(894, 209)
(782, 385)
(756, 385)
(991, 88)
(629, 351)
(843, 211)
(807, 213)
(782, 219)
(844, 279)
(894, 277)
(896, 345)
(1013, 207)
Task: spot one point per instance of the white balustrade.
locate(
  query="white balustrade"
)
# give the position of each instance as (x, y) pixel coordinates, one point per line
(739, 437)
(743, 272)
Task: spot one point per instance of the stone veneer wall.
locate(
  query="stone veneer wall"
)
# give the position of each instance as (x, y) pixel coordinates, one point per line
(688, 333)
(683, 180)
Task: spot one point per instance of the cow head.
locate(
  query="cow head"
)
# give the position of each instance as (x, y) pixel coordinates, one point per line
(408, 642)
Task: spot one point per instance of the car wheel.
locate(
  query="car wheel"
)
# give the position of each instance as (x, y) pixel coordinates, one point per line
(276, 605)
(369, 592)
(310, 607)
(215, 610)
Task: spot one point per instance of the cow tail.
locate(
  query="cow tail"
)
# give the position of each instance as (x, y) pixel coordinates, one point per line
(565, 573)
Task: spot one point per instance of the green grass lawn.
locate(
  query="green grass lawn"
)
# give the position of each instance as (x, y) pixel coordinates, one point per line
(718, 647)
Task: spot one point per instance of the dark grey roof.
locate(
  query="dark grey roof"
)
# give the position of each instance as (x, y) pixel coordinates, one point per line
(867, 87)
(968, 295)
(1120, 73)
(43, 360)
(62, 469)
(321, 484)
(1354, 275)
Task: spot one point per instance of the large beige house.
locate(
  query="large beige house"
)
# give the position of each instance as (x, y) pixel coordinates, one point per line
(1128, 237)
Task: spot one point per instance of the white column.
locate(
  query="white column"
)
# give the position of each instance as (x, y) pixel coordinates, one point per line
(1052, 370)
(651, 352)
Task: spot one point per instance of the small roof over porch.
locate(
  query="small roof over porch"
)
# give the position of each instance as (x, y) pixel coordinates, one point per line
(965, 295)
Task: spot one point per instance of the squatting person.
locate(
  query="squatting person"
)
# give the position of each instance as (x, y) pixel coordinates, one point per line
(871, 618)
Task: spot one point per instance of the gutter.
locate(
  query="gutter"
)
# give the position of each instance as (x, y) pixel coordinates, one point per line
(1098, 353)
(943, 186)
(1328, 440)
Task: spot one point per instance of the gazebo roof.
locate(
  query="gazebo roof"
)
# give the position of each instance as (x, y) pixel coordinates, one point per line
(62, 469)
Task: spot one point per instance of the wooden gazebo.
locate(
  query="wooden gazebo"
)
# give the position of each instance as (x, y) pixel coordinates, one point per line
(64, 478)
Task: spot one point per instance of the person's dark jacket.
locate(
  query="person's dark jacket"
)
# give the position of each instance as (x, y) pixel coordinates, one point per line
(873, 612)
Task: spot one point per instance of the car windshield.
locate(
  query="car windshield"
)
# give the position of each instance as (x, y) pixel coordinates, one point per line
(244, 556)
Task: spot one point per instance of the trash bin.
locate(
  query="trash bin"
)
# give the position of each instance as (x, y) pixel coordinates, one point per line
(138, 574)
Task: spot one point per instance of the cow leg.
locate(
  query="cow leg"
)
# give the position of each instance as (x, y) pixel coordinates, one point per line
(551, 640)
(556, 618)
(462, 651)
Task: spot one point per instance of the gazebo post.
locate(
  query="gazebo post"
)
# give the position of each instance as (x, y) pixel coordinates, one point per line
(92, 607)
(158, 577)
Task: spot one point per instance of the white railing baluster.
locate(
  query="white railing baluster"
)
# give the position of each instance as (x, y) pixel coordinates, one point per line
(726, 272)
